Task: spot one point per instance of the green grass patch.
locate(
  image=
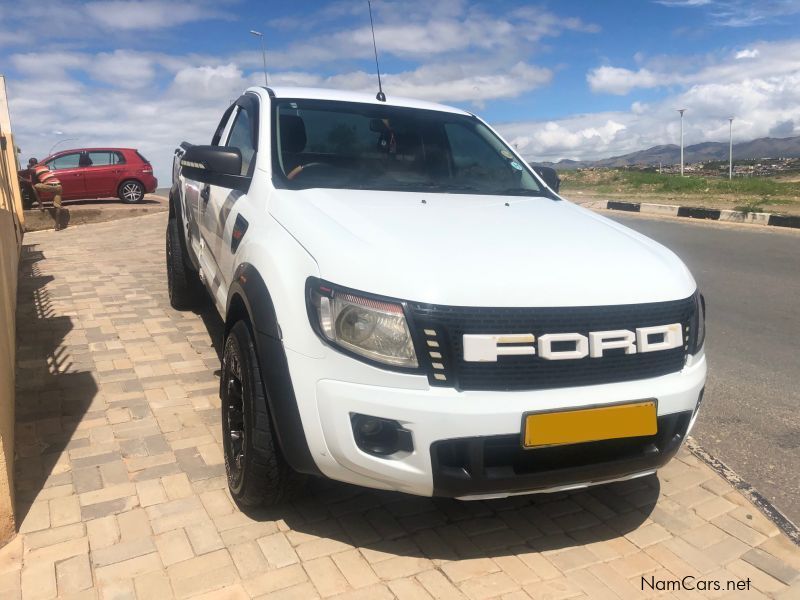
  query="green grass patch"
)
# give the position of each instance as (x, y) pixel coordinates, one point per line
(753, 206)
(617, 180)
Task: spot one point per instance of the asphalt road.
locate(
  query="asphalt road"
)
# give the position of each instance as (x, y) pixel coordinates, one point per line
(750, 277)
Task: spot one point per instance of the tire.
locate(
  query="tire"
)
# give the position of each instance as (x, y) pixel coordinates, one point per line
(183, 283)
(27, 196)
(257, 473)
(131, 191)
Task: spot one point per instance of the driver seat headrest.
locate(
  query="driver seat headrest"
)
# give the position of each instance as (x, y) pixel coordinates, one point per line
(293, 133)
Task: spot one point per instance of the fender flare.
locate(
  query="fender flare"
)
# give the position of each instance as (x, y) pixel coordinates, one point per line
(176, 212)
(249, 286)
(175, 208)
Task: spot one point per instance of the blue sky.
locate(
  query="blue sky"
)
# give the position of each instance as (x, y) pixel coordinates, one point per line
(559, 79)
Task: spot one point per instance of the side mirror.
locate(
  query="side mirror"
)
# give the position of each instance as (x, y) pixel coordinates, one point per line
(550, 177)
(215, 165)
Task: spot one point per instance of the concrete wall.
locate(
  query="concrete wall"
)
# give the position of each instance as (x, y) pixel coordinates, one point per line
(10, 242)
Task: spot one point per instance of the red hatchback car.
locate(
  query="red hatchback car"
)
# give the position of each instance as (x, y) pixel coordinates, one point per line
(101, 173)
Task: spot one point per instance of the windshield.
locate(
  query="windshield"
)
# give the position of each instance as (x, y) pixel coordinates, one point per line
(330, 144)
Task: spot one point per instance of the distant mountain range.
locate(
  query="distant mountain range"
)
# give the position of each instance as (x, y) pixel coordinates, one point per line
(670, 154)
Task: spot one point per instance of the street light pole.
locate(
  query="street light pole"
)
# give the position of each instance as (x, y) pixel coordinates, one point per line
(61, 141)
(681, 110)
(263, 53)
(730, 148)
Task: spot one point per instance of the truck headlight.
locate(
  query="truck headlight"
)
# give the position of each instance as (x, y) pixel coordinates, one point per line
(372, 328)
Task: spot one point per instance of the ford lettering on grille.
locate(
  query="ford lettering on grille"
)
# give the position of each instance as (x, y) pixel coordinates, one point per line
(571, 346)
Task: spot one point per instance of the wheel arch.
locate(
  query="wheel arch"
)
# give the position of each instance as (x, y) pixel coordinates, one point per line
(237, 311)
(248, 292)
(249, 299)
(174, 203)
(176, 212)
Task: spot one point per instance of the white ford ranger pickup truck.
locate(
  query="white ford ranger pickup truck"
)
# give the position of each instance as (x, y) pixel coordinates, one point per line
(409, 306)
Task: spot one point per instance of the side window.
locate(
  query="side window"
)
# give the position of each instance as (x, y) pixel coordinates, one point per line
(119, 159)
(241, 136)
(101, 159)
(65, 161)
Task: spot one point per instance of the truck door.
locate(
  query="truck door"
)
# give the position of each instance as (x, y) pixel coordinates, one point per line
(223, 204)
(199, 216)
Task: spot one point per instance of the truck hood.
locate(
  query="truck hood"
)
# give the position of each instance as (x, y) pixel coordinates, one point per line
(473, 250)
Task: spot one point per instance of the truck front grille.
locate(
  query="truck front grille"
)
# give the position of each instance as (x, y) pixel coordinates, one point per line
(439, 330)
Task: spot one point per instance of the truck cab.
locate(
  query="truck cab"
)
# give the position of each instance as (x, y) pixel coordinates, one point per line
(408, 305)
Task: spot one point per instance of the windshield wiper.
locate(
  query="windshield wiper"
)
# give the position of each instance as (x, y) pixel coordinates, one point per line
(456, 187)
(421, 186)
(518, 191)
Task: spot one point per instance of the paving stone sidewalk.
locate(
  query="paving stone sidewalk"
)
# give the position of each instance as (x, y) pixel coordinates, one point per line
(121, 490)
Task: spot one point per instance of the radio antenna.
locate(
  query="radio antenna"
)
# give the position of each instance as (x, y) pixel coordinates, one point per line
(380, 95)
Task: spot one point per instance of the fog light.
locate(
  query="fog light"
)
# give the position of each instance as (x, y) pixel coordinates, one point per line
(380, 437)
(369, 426)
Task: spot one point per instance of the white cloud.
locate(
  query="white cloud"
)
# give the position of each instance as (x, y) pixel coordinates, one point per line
(210, 83)
(82, 21)
(439, 83)
(746, 53)
(684, 2)
(50, 64)
(740, 13)
(762, 106)
(460, 83)
(759, 85)
(615, 80)
(573, 137)
(764, 59)
(58, 99)
(420, 30)
(124, 69)
(147, 14)
(11, 38)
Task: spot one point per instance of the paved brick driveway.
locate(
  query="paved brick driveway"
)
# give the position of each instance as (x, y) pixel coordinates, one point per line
(121, 490)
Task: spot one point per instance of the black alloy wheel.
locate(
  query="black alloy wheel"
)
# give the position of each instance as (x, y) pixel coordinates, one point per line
(233, 418)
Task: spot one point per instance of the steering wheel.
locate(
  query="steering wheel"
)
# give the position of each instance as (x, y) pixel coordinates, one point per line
(300, 168)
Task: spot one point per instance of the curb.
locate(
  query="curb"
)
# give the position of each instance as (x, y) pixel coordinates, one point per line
(75, 225)
(696, 212)
(769, 510)
(35, 219)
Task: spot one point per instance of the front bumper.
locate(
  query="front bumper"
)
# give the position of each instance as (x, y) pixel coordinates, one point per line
(463, 440)
(497, 465)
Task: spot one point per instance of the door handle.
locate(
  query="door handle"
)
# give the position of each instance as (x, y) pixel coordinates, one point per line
(204, 194)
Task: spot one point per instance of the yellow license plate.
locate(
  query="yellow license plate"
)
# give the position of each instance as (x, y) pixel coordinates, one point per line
(590, 424)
